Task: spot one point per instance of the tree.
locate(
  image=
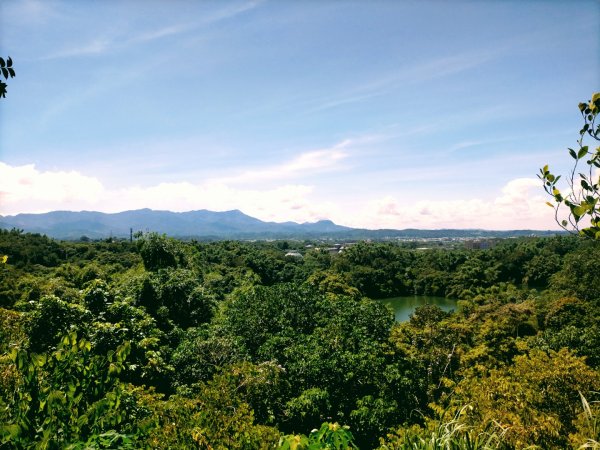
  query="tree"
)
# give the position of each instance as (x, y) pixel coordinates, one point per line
(7, 71)
(219, 415)
(68, 398)
(535, 400)
(583, 195)
(159, 252)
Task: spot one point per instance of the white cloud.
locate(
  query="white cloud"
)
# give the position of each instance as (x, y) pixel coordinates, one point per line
(27, 189)
(24, 188)
(287, 202)
(520, 203)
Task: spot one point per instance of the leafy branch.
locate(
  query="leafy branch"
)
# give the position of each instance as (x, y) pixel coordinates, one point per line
(582, 198)
(7, 72)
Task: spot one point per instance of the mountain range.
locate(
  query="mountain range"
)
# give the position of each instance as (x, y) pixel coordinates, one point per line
(206, 224)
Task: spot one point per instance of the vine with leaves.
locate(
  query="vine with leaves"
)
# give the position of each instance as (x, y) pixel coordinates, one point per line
(6, 68)
(583, 195)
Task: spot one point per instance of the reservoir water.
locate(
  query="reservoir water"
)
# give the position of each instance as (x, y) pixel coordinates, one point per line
(404, 306)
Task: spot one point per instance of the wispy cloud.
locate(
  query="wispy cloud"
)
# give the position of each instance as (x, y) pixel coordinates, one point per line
(409, 74)
(114, 42)
(30, 11)
(307, 163)
(94, 47)
(159, 33)
(104, 81)
(378, 86)
(469, 144)
(117, 41)
(231, 11)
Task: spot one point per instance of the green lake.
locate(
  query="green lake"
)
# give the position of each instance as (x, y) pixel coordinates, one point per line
(404, 306)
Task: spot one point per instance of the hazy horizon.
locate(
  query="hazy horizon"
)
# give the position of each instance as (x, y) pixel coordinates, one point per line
(277, 221)
(373, 115)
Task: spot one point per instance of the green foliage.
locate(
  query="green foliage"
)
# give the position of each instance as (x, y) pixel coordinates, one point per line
(583, 195)
(8, 286)
(332, 283)
(66, 398)
(12, 330)
(569, 322)
(578, 274)
(50, 319)
(217, 417)
(97, 296)
(333, 350)
(540, 268)
(377, 271)
(588, 426)
(176, 297)
(149, 356)
(159, 252)
(232, 344)
(201, 352)
(24, 250)
(582, 341)
(452, 434)
(500, 330)
(311, 406)
(262, 312)
(536, 399)
(330, 436)
(432, 346)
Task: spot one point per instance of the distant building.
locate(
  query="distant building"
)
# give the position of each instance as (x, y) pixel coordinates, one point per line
(479, 244)
(337, 248)
(293, 255)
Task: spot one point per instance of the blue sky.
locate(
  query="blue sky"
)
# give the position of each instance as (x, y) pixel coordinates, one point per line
(374, 114)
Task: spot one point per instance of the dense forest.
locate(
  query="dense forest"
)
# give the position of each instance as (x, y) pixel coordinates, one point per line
(160, 343)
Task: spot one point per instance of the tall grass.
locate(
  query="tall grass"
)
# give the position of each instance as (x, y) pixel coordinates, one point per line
(591, 419)
(451, 435)
(456, 435)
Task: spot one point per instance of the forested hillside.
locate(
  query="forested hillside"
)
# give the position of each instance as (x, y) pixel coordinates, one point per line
(160, 343)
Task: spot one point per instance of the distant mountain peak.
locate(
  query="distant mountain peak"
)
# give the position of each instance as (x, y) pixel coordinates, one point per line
(198, 223)
(232, 224)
